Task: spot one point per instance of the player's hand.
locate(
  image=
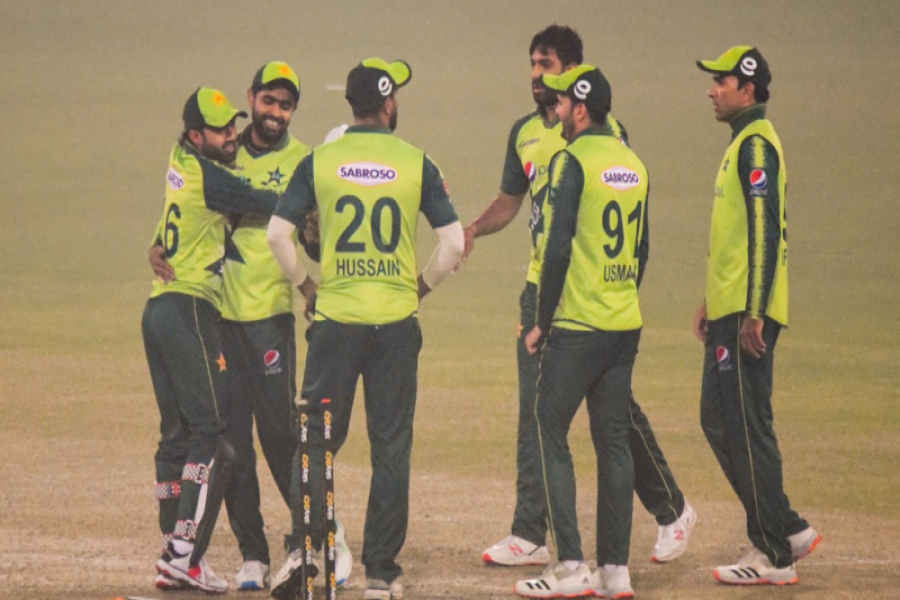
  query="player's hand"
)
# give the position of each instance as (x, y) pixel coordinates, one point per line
(161, 268)
(700, 323)
(311, 230)
(751, 337)
(533, 340)
(469, 244)
(309, 290)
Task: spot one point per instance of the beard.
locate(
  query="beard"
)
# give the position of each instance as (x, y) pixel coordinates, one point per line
(225, 154)
(545, 96)
(263, 127)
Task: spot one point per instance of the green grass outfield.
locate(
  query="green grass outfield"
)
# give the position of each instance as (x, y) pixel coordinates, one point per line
(92, 94)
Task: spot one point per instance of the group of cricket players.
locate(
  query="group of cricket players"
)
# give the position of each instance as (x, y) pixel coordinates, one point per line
(244, 210)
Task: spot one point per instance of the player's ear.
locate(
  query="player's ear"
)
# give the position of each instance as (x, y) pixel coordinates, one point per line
(196, 137)
(250, 96)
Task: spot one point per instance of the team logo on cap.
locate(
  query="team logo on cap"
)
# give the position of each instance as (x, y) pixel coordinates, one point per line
(723, 357)
(620, 178)
(582, 89)
(748, 66)
(530, 171)
(272, 361)
(385, 86)
(758, 179)
(175, 180)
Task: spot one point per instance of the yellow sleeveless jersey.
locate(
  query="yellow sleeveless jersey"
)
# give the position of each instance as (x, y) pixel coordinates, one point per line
(369, 187)
(598, 239)
(255, 286)
(748, 260)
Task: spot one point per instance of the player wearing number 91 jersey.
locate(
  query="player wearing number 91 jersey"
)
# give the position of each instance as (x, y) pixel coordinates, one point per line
(369, 187)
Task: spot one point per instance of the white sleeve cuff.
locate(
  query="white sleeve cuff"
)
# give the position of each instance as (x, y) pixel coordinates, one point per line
(281, 240)
(451, 242)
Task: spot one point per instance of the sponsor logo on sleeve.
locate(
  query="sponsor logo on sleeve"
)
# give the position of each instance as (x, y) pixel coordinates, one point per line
(530, 171)
(174, 179)
(620, 178)
(758, 182)
(367, 174)
(723, 357)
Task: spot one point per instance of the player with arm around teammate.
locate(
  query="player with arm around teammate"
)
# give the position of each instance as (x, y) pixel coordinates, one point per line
(743, 312)
(185, 351)
(589, 315)
(534, 139)
(368, 187)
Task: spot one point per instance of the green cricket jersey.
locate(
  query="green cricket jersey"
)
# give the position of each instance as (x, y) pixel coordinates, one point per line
(255, 286)
(369, 187)
(748, 260)
(532, 143)
(192, 228)
(598, 241)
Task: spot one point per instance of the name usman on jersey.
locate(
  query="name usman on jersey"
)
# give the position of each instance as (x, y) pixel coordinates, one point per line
(366, 173)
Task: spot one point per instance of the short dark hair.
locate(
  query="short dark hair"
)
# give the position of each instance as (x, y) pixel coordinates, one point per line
(597, 116)
(563, 39)
(368, 111)
(760, 93)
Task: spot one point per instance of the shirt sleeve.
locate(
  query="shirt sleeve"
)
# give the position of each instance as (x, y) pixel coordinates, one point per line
(224, 191)
(299, 197)
(644, 242)
(435, 204)
(565, 188)
(514, 182)
(758, 170)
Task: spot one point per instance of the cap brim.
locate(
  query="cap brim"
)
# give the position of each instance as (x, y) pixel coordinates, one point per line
(400, 72)
(225, 119)
(713, 66)
(554, 82)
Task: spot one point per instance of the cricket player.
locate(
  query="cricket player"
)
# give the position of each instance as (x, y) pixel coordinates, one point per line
(533, 141)
(184, 347)
(258, 327)
(743, 312)
(368, 187)
(589, 316)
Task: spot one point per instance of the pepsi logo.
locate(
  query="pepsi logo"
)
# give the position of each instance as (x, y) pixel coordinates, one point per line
(272, 358)
(530, 171)
(758, 179)
(723, 357)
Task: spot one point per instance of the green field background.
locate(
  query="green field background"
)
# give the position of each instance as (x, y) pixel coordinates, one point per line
(91, 96)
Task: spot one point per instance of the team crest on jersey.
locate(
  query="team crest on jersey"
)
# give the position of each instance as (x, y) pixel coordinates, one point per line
(530, 171)
(272, 361)
(367, 174)
(723, 357)
(174, 179)
(620, 178)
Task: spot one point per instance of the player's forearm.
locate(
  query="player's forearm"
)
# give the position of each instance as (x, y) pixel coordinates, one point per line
(445, 256)
(281, 240)
(499, 213)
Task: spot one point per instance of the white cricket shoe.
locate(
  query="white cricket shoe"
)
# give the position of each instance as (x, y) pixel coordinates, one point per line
(253, 576)
(513, 551)
(613, 582)
(558, 581)
(288, 582)
(379, 589)
(343, 560)
(672, 540)
(756, 569)
(804, 542)
(167, 584)
(176, 566)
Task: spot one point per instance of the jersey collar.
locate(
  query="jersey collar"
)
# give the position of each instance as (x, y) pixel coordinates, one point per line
(368, 129)
(745, 117)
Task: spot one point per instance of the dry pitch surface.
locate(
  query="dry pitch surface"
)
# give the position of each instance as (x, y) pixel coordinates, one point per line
(93, 94)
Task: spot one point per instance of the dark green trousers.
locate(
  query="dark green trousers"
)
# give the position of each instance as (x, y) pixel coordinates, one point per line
(654, 481)
(596, 366)
(387, 358)
(262, 374)
(185, 357)
(736, 416)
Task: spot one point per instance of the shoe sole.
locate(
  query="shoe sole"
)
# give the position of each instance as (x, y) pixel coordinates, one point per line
(522, 563)
(585, 594)
(756, 582)
(167, 570)
(620, 596)
(250, 586)
(809, 549)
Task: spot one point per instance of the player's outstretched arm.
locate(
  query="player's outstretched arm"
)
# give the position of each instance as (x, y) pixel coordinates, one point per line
(444, 258)
(499, 213)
